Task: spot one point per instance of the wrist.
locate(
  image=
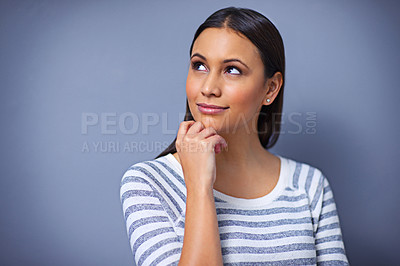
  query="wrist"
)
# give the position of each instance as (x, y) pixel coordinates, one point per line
(200, 191)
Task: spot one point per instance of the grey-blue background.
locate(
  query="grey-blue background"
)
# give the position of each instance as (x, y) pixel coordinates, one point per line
(62, 61)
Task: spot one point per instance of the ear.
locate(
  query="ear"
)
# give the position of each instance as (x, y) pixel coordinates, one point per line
(272, 87)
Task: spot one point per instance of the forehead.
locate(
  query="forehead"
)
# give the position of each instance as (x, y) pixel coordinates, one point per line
(222, 43)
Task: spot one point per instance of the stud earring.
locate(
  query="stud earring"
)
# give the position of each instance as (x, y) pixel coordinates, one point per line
(268, 100)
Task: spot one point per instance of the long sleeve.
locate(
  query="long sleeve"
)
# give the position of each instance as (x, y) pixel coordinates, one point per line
(328, 236)
(151, 234)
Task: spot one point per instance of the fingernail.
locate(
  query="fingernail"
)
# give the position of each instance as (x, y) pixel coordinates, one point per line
(217, 149)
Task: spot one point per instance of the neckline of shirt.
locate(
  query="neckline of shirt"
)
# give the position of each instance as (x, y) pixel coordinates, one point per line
(263, 200)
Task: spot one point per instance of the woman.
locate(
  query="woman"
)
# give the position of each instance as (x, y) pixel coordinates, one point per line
(216, 195)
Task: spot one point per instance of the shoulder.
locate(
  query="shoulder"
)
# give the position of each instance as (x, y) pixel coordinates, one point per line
(311, 182)
(152, 172)
(160, 176)
(304, 177)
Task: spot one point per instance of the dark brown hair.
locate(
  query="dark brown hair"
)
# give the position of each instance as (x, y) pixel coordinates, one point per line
(264, 35)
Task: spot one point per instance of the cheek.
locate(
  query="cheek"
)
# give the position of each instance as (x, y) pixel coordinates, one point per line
(192, 88)
(192, 91)
(245, 100)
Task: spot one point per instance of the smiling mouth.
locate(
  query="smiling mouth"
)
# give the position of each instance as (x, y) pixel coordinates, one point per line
(210, 106)
(210, 109)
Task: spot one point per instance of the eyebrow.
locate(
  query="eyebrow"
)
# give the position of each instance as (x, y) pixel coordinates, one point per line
(225, 61)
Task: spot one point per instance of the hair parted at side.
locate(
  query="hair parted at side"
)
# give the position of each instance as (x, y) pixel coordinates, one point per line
(265, 36)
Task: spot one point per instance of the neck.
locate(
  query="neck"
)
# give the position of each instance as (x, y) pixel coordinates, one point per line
(244, 151)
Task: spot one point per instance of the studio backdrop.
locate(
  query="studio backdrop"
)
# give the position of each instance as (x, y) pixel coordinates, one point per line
(89, 88)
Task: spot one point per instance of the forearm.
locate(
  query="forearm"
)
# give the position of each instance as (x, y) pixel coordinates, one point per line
(201, 243)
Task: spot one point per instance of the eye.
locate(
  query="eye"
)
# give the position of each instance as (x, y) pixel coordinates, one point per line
(196, 65)
(235, 71)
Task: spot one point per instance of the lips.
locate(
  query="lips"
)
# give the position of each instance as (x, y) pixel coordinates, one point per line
(211, 106)
(210, 109)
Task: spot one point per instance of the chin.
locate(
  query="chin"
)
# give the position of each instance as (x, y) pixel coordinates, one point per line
(212, 121)
(216, 121)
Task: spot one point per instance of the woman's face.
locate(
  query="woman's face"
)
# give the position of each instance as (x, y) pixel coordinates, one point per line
(226, 70)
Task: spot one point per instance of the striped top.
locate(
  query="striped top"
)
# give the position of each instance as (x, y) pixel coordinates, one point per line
(296, 223)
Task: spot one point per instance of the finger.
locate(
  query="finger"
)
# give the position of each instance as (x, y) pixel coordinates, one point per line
(217, 148)
(183, 128)
(207, 132)
(217, 140)
(195, 128)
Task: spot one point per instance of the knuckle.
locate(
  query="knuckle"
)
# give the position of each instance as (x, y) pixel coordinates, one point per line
(183, 123)
(211, 130)
(204, 144)
(186, 138)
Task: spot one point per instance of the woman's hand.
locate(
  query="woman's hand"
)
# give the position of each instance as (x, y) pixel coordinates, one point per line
(196, 147)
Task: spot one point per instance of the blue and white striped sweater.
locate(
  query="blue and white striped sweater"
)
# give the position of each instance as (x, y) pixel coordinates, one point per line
(295, 224)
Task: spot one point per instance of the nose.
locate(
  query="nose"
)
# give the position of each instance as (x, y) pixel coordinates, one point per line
(211, 85)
